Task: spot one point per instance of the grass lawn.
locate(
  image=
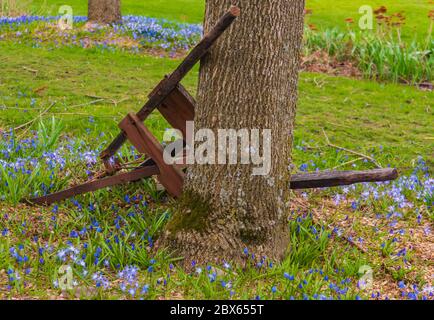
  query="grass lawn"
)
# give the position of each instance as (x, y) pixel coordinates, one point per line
(181, 10)
(330, 14)
(356, 114)
(193, 10)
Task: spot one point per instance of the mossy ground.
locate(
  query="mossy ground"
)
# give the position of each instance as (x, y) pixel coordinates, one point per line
(190, 213)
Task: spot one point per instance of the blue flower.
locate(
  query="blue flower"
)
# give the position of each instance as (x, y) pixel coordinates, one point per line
(288, 276)
(127, 198)
(412, 296)
(55, 209)
(304, 167)
(212, 277)
(145, 289)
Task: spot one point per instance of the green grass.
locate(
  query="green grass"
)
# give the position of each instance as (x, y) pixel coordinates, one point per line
(323, 16)
(181, 10)
(104, 232)
(329, 14)
(310, 260)
(356, 114)
(398, 55)
(382, 57)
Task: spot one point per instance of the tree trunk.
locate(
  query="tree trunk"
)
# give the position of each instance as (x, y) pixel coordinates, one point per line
(248, 80)
(104, 11)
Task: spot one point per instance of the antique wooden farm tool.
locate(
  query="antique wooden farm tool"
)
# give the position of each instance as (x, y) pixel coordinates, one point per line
(177, 106)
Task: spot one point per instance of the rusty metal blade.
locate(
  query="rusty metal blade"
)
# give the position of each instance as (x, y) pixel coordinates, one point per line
(134, 175)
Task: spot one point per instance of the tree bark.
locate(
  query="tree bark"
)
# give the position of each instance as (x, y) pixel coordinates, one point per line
(248, 80)
(104, 11)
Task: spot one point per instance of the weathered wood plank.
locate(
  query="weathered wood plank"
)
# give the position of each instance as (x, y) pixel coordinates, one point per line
(121, 178)
(326, 179)
(142, 139)
(177, 109)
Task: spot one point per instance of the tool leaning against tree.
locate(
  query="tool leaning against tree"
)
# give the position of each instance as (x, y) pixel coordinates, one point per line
(177, 106)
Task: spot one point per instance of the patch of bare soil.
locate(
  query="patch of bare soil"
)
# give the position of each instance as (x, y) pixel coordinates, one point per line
(321, 62)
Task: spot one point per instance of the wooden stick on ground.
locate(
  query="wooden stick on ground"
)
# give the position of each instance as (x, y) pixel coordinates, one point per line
(351, 151)
(39, 116)
(341, 178)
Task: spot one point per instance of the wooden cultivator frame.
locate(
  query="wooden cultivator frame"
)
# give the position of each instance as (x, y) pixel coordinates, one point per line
(177, 106)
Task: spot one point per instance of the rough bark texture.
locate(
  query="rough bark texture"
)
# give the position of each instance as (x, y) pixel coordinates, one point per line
(104, 11)
(249, 80)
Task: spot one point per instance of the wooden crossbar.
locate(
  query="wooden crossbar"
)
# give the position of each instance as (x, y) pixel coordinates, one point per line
(178, 108)
(122, 178)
